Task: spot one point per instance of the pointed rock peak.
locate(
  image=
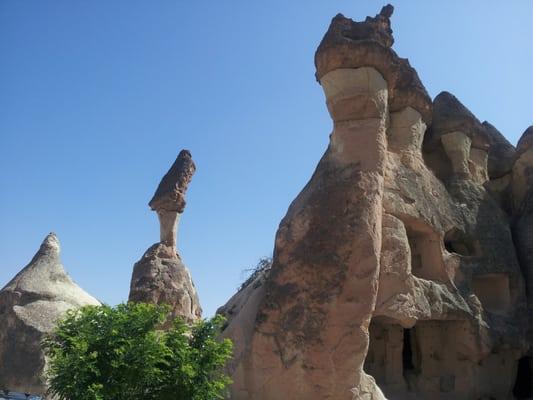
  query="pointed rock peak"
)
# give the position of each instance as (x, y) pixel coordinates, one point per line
(501, 152)
(447, 102)
(495, 136)
(50, 244)
(450, 115)
(50, 250)
(30, 305)
(170, 194)
(526, 140)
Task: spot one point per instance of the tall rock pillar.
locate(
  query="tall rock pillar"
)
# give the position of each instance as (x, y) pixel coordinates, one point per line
(311, 316)
(160, 277)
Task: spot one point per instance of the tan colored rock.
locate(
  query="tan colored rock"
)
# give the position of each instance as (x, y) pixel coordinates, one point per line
(30, 305)
(296, 347)
(351, 44)
(395, 265)
(457, 147)
(160, 277)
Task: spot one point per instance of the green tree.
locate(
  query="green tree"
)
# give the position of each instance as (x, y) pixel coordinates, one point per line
(121, 353)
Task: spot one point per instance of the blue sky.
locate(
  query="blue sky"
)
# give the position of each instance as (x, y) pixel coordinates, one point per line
(97, 98)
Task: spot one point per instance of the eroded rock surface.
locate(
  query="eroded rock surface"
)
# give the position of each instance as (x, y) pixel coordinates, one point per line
(30, 305)
(398, 270)
(160, 277)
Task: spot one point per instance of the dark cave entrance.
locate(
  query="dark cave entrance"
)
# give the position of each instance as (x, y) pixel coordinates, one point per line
(523, 388)
(407, 352)
(410, 358)
(393, 357)
(459, 243)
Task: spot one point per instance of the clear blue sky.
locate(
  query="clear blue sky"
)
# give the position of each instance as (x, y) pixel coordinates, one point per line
(98, 97)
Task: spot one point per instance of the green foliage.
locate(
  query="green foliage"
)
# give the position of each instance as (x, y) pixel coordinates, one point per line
(121, 353)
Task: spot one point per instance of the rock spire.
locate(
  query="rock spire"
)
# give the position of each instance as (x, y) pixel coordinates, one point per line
(160, 277)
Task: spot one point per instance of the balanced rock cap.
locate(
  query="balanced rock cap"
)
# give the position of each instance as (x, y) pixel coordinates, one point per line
(353, 44)
(170, 194)
(450, 115)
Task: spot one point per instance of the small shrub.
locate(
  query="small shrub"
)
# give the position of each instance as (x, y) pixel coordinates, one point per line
(262, 268)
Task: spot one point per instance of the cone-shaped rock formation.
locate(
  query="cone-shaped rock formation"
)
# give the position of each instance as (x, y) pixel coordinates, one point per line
(30, 304)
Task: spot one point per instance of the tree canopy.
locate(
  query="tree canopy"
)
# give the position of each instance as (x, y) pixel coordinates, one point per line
(122, 352)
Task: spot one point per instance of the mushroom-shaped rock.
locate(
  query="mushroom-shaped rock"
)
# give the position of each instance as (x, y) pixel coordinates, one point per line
(160, 277)
(462, 137)
(169, 198)
(450, 115)
(302, 333)
(352, 44)
(380, 270)
(30, 305)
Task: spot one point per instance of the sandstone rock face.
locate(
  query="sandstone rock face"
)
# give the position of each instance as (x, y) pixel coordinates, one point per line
(160, 277)
(501, 153)
(30, 304)
(522, 190)
(395, 272)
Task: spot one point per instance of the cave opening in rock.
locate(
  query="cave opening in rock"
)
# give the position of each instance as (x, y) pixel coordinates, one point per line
(457, 242)
(523, 388)
(393, 357)
(407, 351)
(426, 253)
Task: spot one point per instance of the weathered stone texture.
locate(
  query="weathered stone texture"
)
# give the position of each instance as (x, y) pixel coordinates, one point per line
(30, 305)
(402, 261)
(160, 277)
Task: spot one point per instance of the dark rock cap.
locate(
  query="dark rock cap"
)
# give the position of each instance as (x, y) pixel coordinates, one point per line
(170, 194)
(351, 44)
(450, 115)
(502, 154)
(526, 141)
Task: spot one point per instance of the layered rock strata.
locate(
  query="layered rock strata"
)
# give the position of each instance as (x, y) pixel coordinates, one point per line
(30, 305)
(395, 271)
(160, 277)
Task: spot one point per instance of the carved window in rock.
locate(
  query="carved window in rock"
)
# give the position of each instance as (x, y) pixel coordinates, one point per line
(493, 292)
(458, 242)
(426, 252)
